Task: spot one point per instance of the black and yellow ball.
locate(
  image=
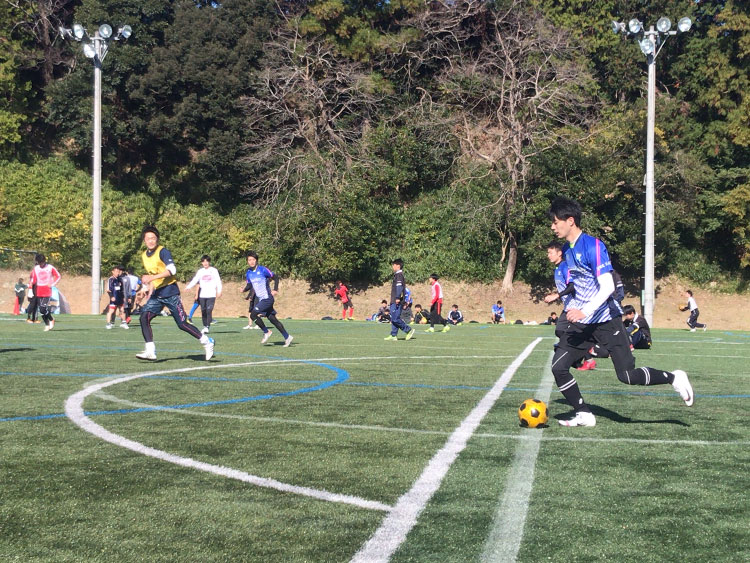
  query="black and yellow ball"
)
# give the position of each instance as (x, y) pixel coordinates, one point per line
(533, 413)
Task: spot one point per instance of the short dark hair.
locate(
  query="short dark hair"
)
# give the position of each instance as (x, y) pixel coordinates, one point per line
(628, 309)
(206, 257)
(150, 229)
(565, 208)
(384, 301)
(41, 259)
(434, 277)
(499, 302)
(252, 253)
(454, 305)
(417, 305)
(120, 267)
(555, 244)
(398, 261)
(689, 292)
(553, 314)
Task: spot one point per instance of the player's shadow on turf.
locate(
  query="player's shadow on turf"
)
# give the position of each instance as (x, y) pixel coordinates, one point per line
(15, 350)
(616, 417)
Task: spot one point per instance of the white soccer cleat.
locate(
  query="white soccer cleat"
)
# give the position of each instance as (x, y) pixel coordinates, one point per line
(146, 355)
(682, 385)
(266, 336)
(209, 348)
(109, 326)
(47, 328)
(204, 330)
(580, 419)
(248, 327)
(288, 341)
(125, 326)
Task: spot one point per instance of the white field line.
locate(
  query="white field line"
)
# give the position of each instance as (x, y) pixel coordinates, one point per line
(74, 411)
(397, 524)
(506, 533)
(524, 436)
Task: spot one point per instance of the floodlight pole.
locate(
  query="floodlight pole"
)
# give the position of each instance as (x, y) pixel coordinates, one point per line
(96, 212)
(648, 273)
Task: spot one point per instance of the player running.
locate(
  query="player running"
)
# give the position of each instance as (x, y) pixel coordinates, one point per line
(591, 320)
(259, 280)
(209, 288)
(160, 288)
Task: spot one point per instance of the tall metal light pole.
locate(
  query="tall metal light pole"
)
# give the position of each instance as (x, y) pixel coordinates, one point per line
(650, 42)
(95, 48)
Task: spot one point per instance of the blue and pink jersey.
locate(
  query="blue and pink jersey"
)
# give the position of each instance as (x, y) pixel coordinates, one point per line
(587, 259)
(260, 279)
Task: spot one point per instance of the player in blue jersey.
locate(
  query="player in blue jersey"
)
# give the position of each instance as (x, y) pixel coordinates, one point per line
(564, 286)
(593, 317)
(259, 280)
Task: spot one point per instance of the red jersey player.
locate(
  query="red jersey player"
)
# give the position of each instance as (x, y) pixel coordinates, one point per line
(45, 277)
(342, 292)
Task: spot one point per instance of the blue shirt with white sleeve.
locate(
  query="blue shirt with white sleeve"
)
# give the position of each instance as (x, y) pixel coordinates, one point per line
(587, 258)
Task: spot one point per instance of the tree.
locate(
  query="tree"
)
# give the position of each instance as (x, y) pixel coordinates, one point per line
(514, 86)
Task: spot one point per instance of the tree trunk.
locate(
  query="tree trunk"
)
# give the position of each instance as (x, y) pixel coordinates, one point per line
(510, 271)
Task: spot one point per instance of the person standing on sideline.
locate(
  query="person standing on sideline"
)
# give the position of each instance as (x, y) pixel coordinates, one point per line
(498, 313)
(591, 320)
(43, 278)
(20, 290)
(116, 293)
(209, 289)
(342, 292)
(161, 290)
(259, 280)
(398, 286)
(692, 306)
(436, 305)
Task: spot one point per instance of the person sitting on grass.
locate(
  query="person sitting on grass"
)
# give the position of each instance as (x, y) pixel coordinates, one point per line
(455, 317)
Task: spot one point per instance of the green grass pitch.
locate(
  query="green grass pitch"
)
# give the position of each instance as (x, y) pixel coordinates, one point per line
(310, 453)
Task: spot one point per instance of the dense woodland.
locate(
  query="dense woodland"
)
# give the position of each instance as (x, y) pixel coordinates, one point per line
(333, 135)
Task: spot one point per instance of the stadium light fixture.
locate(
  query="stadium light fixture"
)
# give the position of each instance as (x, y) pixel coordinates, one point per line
(95, 48)
(684, 24)
(650, 43)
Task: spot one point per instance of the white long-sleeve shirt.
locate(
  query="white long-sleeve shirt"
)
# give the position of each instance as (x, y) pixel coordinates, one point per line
(209, 281)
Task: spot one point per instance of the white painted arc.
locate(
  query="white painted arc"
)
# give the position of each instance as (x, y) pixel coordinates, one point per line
(74, 411)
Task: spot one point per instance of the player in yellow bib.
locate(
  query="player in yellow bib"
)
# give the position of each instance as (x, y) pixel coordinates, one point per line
(160, 287)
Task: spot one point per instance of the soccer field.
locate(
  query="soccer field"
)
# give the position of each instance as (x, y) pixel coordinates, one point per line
(346, 447)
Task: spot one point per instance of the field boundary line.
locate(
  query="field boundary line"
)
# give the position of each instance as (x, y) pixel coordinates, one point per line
(397, 524)
(74, 411)
(506, 533)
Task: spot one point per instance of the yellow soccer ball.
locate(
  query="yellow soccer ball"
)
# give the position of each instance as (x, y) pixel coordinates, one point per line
(533, 413)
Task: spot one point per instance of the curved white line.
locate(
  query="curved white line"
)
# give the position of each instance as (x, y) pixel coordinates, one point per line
(74, 411)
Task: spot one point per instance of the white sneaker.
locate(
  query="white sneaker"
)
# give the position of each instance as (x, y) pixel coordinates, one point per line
(146, 355)
(109, 326)
(125, 326)
(682, 385)
(52, 325)
(692, 330)
(204, 330)
(47, 328)
(580, 419)
(209, 348)
(265, 338)
(248, 327)
(705, 327)
(288, 341)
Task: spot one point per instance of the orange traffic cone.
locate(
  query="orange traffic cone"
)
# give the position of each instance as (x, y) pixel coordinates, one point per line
(16, 308)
